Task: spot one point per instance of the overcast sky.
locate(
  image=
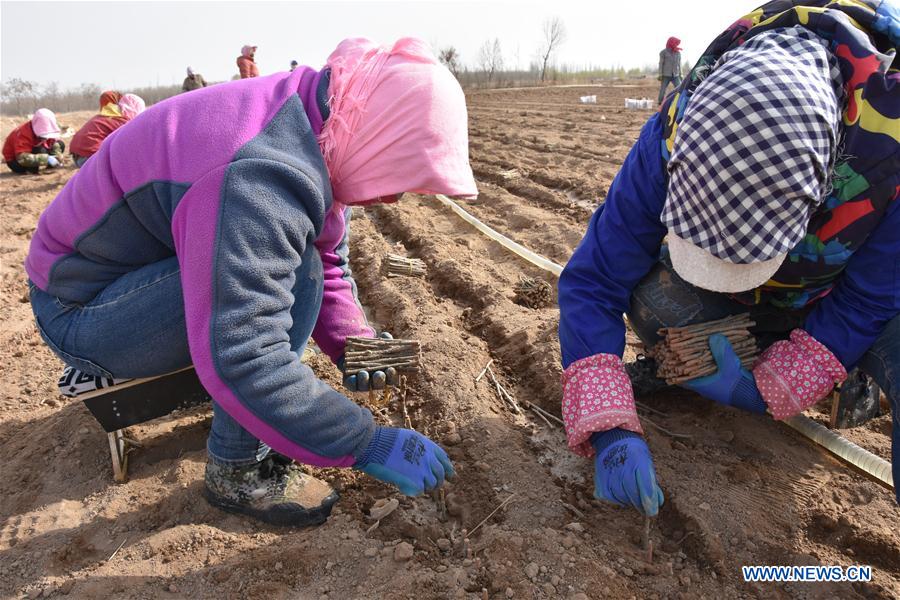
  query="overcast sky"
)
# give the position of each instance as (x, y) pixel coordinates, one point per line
(133, 44)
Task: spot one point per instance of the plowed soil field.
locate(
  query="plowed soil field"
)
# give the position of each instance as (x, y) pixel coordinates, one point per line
(521, 522)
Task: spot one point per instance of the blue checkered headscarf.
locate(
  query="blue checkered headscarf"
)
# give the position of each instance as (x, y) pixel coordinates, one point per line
(754, 151)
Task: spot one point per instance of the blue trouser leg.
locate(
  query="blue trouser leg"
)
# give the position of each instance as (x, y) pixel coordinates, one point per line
(663, 299)
(664, 85)
(136, 328)
(133, 328)
(882, 363)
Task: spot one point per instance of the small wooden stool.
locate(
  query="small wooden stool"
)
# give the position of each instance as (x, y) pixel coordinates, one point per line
(135, 401)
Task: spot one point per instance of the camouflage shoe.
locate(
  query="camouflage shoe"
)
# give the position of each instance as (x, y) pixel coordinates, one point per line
(274, 490)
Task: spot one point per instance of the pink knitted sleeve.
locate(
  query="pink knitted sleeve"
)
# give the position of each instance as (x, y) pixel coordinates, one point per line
(794, 374)
(341, 315)
(597, 396)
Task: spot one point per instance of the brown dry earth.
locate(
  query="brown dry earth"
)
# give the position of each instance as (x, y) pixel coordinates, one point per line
(740, 490)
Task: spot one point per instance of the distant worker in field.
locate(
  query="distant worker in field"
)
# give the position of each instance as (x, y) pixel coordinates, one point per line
(34, 144)
(193, 81)
(246, 62)
(112, 115)
(669, 67)
(779, 197)
(240, 254)
(109, 102)
(294, 65)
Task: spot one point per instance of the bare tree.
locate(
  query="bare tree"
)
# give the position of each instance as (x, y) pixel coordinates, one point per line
(51, 96)
(449, 57)
(490, 59)
(497, 58)
(19, 97)
(19, 90)
(89, 93)
(554, 37)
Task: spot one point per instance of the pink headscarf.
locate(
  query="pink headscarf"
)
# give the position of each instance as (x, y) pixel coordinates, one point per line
(131, 106)
(673, 44)
(398, 124)
(43, 123)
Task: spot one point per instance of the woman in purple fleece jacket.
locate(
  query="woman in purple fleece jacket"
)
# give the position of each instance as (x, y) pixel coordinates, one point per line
(227, 249)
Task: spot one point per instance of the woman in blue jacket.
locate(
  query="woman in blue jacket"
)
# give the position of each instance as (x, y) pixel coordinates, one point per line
(767, 183)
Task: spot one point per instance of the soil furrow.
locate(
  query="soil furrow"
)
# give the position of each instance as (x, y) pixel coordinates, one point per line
(741, 490)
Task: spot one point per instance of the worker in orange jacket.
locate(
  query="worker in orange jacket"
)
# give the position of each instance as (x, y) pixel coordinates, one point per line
(246, 63)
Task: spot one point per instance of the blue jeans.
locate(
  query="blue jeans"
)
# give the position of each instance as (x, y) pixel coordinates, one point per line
(136, 328)
(664, 299)
(664, 84)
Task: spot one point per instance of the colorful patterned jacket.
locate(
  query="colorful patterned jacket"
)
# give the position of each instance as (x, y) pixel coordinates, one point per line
(848, 267)
(864, 181)
(260, 170)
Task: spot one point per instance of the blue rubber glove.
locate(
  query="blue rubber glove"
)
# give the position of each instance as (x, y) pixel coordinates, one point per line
(731, 385)
(52, 161)
(624, 473)
(406, 459)
(887, 21)
(362, 381)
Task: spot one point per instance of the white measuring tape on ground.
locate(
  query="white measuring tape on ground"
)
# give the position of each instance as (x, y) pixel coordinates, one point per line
(535, 259)
(862, 459)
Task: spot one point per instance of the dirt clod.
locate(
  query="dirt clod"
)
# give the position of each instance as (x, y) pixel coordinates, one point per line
(403, 552)
(66, 587)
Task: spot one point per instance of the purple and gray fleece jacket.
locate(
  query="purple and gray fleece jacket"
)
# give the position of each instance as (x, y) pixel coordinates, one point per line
(232, 183)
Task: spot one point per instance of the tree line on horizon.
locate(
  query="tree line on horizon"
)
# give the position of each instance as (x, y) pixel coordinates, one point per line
(489, 70)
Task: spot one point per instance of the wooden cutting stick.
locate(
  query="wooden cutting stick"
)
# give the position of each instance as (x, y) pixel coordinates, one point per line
(378, 354)
(684, 353)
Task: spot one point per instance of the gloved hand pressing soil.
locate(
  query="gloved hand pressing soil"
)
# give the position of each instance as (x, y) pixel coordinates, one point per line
(624, 473)
(406, 459)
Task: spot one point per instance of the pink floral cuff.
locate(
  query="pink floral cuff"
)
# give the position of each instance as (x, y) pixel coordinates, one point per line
(597, 396)
(794, 374)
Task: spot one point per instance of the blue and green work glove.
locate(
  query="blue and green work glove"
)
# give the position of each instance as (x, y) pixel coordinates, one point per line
(732, 384)
(363, 381)
(623, 471)
(406, 459)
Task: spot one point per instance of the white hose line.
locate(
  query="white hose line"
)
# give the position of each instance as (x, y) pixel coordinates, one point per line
(535, 259)
(841, 447)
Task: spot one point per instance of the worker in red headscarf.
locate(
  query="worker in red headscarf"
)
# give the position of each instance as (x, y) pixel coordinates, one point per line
(109, 101)
(115, 111)
(669, 66)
